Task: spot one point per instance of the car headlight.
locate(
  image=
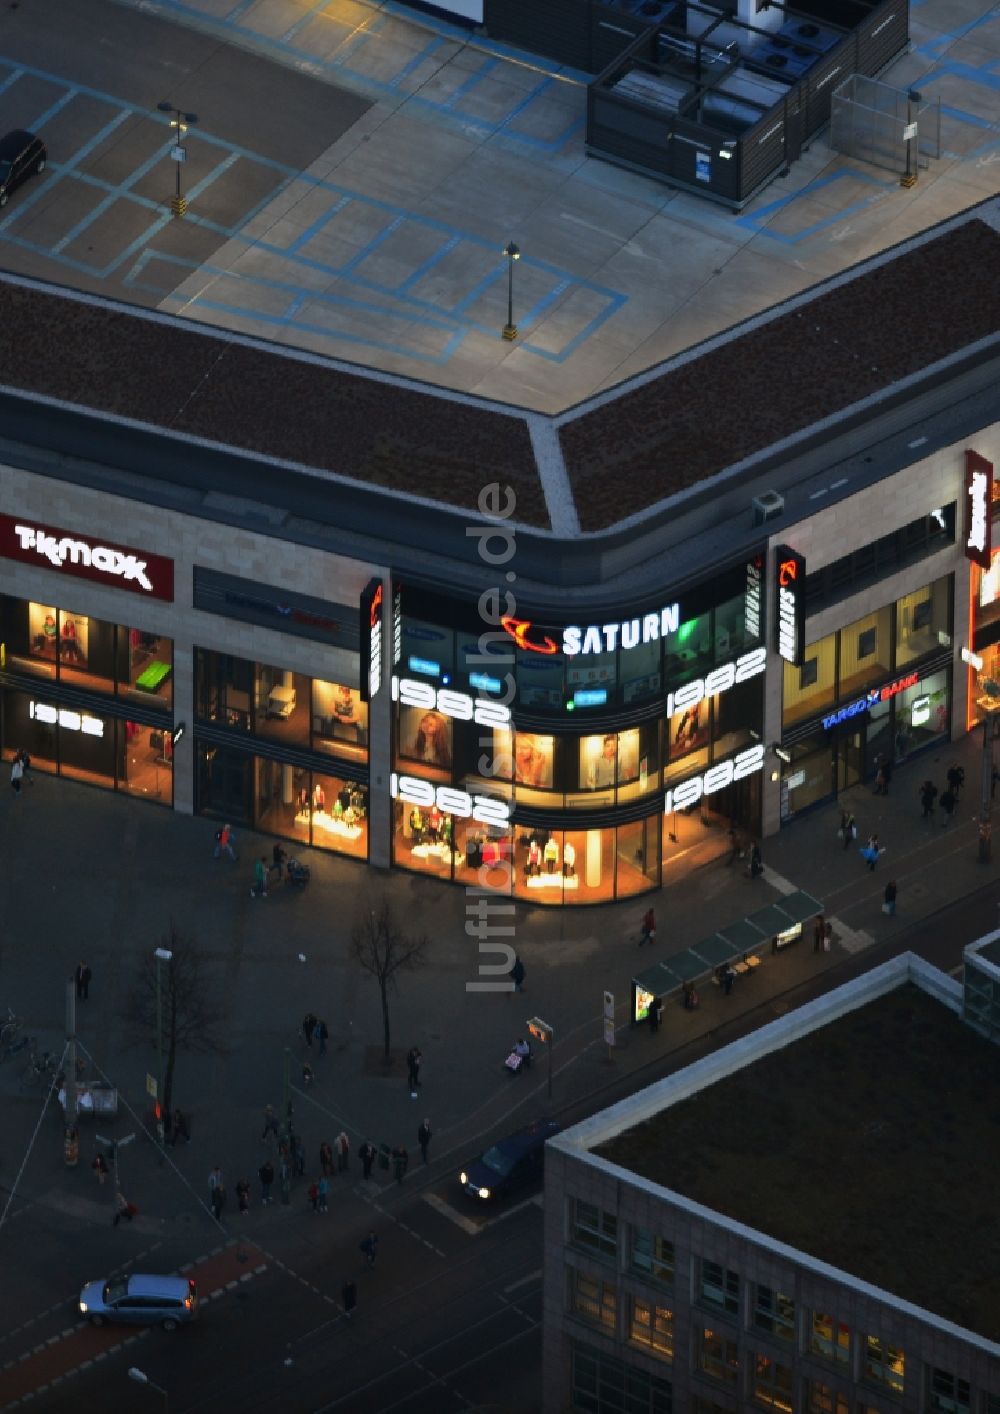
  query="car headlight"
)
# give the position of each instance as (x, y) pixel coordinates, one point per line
(463, 1178)
(484, 1192)
(83, 1306)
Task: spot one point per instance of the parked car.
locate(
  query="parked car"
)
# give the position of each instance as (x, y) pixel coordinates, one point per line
(511, 1163)
(22, 155)
(140, 1300)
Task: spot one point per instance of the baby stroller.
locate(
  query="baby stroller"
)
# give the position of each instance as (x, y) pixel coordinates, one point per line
(297, 873)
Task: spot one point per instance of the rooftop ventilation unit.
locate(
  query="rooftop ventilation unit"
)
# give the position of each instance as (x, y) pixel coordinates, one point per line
(767, 507)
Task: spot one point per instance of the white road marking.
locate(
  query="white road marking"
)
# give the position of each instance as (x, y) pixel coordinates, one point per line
(532, 1276)
(447, 1211)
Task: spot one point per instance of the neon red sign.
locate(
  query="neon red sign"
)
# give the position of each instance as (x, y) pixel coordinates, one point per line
(519, 630)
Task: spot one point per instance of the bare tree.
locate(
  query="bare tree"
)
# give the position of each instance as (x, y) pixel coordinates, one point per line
(382, 949)
(192, 1014)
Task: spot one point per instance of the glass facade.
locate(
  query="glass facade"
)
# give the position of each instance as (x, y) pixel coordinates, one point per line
(287, 714)
(59, 645)
(864, 684)
(555, 783)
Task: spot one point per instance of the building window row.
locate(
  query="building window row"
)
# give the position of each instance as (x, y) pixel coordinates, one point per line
(880, 558)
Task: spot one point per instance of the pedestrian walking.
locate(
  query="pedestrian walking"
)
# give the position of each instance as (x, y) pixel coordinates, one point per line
(735, 846)
(180, 1128)
(517, 974)
(278, 856)
(312, 1193)
(956, 779)
(889, 898)
(413, 1062)
(342, 1146)
(655, 1015)
(100, 1167)
(308, 1028)
(218, 1201)
(224, 842)
(871, 852)
(326, 1158)
(424, 1138)
(266, 1175)
(848, 830)
(324, 1192)
(690, 997)
(26, 772)
(270, 1122)
(948, 806)
(298, 1155)
(755, 868)
(928, 795)
(368, 1156)
(259, 889)
(214, 1181)
(308, 1075)
(370, 1248)
(16, 772)
(82, 977)
(322, 1035)
(349, 1297)
(648, 928)
(819, 932)
(123, 1209)
(728, 978)
(400, 1162)
(243, 1195)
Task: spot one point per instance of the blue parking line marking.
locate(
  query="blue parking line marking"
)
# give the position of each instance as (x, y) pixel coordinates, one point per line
(478, 290)
(538, 308)
(55, 108)
(11, 79)
(415, 62)
(304, 20)
(240, 8)
(372, 246)
(123, 190)
(960, 114)
(470, 83)
(440, 254)
(64, 169)
(305, 236)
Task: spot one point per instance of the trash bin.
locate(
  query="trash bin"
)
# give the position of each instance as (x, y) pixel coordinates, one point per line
(383, 1156)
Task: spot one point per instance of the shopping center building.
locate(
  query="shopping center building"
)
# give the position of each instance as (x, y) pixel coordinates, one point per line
(553, 655)
(797, 1222)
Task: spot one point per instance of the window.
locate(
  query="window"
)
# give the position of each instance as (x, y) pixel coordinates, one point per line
(809, 672)
(824, 1399)
(811, 688)
(593, 1299)
(719, 1357)
(771, 1384)
(865, 652)
(709, 1406)
(651, 1256)
(829, 1338)
(884, 1365)
(605, 1385)
(651, 1326)
(720, 1288)
(874, 561)
(923, 621)
(594, 1229)
(948, 1394)
(774, 1313)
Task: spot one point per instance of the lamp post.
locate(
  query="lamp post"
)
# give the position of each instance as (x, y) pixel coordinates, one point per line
(141, 1378)
(162, 955)
(509, 330)
(179, 121)
(909, 177)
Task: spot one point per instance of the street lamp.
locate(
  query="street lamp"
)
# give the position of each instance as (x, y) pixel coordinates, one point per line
(180, 121)
(909, 177)
(162, 955)
(141, 1378)
(509, 330)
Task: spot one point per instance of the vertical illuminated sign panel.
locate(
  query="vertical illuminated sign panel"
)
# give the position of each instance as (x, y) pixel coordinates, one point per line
(371, 640)
(790, 615)
(978, 509)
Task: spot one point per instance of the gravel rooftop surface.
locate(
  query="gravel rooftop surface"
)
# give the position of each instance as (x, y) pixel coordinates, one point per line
(780, 377)
(265, 402)
(872, 1144)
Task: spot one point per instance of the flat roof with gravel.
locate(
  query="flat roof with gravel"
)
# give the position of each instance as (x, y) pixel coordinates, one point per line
(623, 453)
(871, 1143)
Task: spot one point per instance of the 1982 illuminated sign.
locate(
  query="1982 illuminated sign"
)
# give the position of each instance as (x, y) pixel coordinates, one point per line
(716, 778)
(65, 717)
(790, 618)
(416, 791)
(748, 666)
(47, 547)
(459, 705)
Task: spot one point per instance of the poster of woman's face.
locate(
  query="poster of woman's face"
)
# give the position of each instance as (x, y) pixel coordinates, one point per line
(425, 736)
(533, 760)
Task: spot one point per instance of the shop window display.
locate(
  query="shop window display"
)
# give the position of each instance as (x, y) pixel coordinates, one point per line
(425, 839)
(641, 678)
(340, 720)
(923, 713)
(425, 736)
(427, 650)
(689, 652)
(56, 643)
(534, 766)
(145, 665)
(282, 705)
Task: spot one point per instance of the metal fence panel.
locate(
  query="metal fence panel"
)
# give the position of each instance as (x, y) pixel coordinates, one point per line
(868, 120)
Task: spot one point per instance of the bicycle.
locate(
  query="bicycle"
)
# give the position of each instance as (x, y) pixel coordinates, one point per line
(40, 1067)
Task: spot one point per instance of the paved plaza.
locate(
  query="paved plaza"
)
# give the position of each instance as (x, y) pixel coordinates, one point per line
(357, 168)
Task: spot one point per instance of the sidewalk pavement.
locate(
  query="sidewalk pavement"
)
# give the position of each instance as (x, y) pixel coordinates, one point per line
(97, 876)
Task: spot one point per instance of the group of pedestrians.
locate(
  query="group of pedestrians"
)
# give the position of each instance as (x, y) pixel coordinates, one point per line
(948, 798)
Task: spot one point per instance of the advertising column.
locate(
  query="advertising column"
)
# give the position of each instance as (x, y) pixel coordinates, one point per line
(375, 674)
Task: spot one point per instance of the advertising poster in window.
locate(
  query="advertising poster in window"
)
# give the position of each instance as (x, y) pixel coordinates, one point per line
(425, 735)
(609, 758)
(689, 730)
(533, 757)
